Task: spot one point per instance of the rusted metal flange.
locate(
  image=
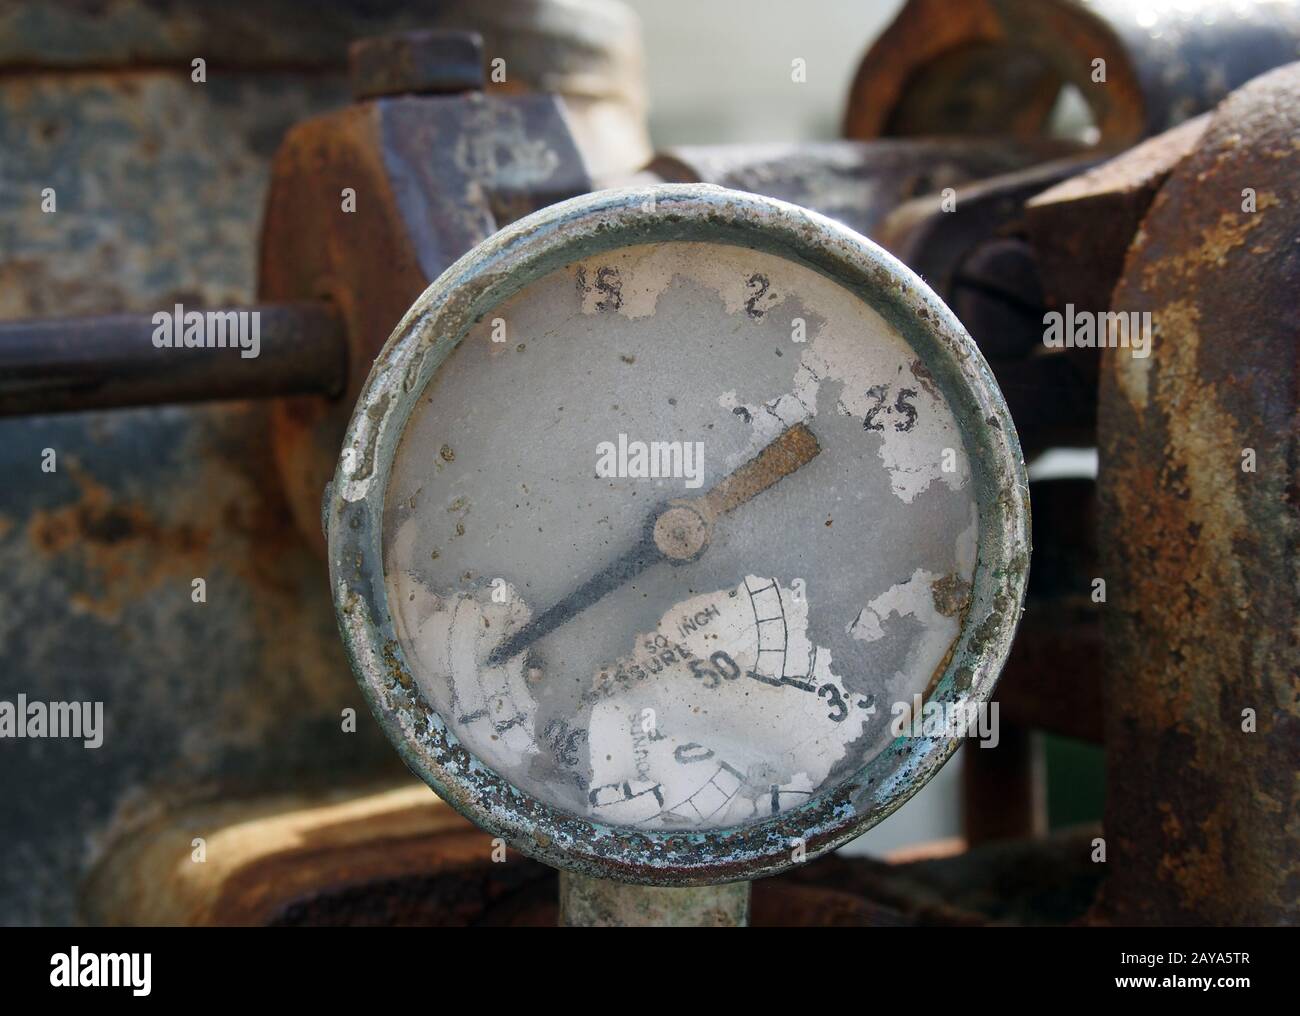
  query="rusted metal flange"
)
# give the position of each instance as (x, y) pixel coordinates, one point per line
(998, 66)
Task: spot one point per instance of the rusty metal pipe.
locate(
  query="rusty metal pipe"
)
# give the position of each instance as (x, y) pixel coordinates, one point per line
(58, 365)
(587, 902)
(1000, 66)
(1199, 524)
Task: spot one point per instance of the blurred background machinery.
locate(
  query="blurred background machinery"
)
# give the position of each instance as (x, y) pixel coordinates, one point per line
(226, 718)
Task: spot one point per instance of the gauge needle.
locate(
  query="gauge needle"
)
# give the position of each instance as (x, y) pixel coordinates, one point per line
(678, 533)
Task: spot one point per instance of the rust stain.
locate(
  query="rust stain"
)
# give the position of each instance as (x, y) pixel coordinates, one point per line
(1216, 242)
(126, 550)
(951, 593)
(1194, 869)
(1163, 491)
(926, 380)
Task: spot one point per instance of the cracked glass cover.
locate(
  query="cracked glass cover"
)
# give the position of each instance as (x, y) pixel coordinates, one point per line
(675, 532)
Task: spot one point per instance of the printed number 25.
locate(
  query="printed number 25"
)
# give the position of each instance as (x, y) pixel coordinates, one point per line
(879, 394)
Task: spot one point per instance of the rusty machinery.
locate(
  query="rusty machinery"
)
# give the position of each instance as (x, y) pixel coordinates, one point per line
(225, 717)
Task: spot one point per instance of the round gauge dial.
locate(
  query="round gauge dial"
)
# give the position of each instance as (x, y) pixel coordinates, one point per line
(669, 534)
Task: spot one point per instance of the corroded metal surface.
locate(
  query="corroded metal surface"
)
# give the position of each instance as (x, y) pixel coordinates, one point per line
(587, 902)
(998, 66)
(426, 62)
(856, 183)
(1081, 228)
(246, 689)
(152, 217)
(1200, 527)
(432, 328)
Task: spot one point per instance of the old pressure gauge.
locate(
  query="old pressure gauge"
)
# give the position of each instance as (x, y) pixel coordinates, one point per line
(657, 512)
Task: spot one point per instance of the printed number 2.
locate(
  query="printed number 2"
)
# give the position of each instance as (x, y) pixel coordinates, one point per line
(880, 393)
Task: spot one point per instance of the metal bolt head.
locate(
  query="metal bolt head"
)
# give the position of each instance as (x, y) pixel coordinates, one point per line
(425, 62)
(997, 295)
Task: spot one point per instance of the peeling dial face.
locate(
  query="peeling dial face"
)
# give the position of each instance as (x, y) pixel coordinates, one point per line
(673, 533)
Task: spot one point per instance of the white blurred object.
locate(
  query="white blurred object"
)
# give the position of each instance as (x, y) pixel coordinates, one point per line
(721, 72)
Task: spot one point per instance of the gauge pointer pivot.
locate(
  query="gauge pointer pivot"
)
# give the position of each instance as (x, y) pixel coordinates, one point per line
(678, 533)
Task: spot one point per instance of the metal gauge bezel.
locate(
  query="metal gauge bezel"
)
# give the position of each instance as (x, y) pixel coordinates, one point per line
(464, 295)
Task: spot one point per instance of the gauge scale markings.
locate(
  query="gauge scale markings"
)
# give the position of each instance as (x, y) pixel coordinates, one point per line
(751, 711)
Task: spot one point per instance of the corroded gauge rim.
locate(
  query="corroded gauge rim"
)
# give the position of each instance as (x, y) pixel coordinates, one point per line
(431, 329)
